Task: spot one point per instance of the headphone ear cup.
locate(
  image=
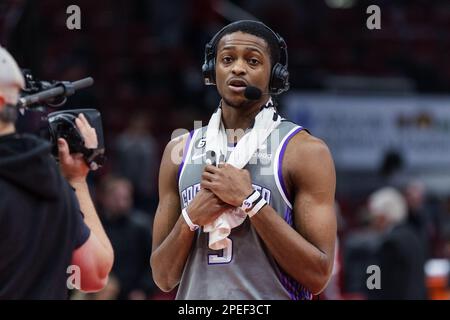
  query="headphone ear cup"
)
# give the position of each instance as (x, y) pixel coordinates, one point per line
(212, 70)
(206, 73)
(284, 75)
(209, 72)
(209, 66)
(279, 80)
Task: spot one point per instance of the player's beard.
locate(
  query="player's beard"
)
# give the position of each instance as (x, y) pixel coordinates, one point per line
(238, 105)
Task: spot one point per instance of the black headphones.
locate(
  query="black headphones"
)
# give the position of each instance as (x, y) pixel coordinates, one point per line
(279, 77)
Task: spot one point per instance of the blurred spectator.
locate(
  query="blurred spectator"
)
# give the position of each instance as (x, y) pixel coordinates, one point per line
(443, 243)
(137, 160)
(419, 217)
(130, 234)
(400, 255)
(359, 252)
(392, 170)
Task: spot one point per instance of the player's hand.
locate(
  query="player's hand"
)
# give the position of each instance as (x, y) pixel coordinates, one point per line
(73, 166)
(206, 207)
(230, 184)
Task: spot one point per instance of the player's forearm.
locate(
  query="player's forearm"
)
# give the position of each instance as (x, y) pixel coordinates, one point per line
(90, 215)
(299, 258)
(169, 258)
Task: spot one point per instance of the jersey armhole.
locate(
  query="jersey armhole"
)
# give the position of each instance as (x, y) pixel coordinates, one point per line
(278, 172)
(186, 151)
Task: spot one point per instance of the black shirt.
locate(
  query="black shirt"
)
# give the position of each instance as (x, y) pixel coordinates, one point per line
(40, 221)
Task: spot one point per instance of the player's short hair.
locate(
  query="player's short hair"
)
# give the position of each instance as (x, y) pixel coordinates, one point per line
(256, 29)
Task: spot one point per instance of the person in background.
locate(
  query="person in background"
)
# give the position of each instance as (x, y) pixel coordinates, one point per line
(400, 254)
(130, 233)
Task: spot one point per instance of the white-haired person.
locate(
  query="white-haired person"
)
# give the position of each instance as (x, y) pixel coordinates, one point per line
(50, 234)
(400, 255)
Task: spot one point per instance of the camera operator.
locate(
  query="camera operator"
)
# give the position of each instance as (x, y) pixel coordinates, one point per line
(45, 226)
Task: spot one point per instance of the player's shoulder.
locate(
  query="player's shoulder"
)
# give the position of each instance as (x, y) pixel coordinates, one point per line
(179, 140)
(306, 146)
(304, 139)
(173, 152)
(177, 147)
(184, 137)
(308, 158)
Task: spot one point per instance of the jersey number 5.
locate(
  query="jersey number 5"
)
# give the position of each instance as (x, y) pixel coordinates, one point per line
(225, 257)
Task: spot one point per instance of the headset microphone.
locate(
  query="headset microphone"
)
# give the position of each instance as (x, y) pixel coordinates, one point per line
(253, 93)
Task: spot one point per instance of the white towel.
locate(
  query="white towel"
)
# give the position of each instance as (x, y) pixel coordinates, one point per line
(216, 140)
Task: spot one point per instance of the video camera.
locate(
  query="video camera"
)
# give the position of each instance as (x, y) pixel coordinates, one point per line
(61, 124)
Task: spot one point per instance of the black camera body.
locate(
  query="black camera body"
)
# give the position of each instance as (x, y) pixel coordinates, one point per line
(61, 124)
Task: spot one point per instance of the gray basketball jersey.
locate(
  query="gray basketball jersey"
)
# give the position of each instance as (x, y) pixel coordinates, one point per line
(245, 269)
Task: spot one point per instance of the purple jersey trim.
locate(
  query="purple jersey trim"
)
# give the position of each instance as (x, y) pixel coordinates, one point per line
(280, 161)
(295, 289)
(185, 151)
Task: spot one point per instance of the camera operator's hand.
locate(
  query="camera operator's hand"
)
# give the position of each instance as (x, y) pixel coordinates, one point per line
(73, 166)
(88, 133)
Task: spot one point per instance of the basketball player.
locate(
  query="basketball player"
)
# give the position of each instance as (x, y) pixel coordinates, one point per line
(45, 242)
(285, 250)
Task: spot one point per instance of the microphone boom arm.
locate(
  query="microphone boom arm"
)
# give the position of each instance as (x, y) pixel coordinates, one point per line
(63, 88)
